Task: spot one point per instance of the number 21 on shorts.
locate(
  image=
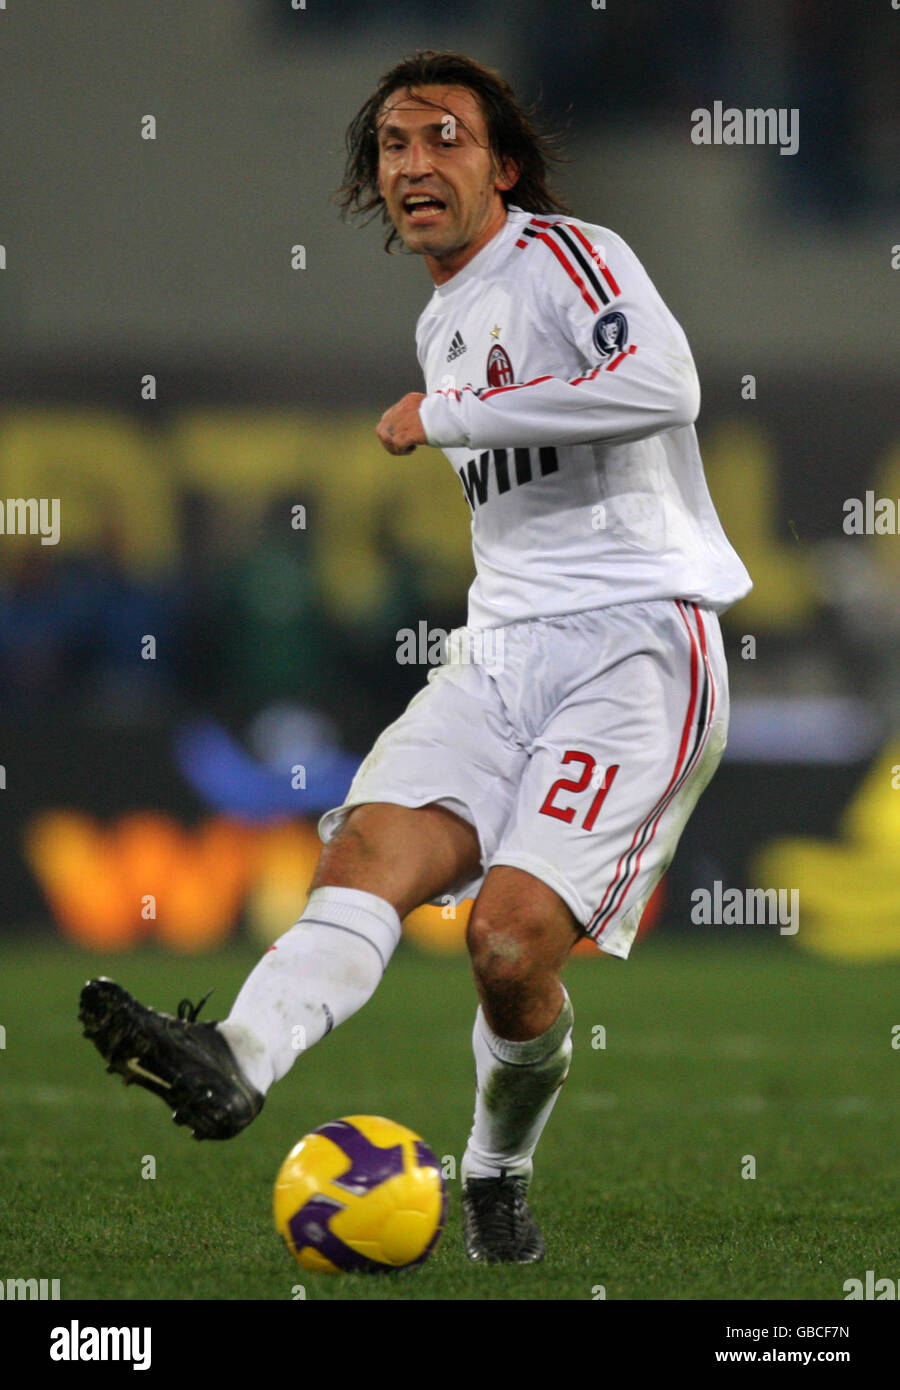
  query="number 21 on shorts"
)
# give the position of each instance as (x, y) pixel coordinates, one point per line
(586, 780)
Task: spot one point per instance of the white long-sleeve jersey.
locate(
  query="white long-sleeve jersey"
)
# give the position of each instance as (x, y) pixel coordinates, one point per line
(563, 392)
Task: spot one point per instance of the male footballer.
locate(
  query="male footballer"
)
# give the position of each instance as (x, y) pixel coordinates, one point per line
(552, 785)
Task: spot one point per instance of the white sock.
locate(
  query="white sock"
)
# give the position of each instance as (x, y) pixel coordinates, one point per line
(517, 1084)
(315, 976)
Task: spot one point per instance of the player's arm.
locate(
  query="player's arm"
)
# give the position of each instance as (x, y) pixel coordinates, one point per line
(638, 376)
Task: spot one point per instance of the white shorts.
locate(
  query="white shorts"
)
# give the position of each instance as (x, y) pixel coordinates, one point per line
(578, 758)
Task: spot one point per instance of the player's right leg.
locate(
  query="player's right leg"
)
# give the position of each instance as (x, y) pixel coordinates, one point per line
(386, 860)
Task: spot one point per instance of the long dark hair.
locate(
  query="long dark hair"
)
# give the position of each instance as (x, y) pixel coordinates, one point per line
(511, 135)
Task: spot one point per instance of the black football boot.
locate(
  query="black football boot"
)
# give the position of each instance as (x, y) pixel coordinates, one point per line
(498, 1227)
(187, 1064)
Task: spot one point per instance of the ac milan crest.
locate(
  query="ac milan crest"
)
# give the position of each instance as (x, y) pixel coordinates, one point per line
(499, 367)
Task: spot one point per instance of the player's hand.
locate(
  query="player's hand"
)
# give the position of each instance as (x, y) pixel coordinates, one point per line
(400, 428)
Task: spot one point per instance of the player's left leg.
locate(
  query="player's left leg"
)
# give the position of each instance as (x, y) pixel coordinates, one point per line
(519, 937)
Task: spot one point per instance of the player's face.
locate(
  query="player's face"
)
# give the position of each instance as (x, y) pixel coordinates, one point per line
(437, 175)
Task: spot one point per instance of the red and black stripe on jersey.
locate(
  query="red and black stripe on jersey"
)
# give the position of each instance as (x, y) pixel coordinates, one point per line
(485, 392)
(578, 258)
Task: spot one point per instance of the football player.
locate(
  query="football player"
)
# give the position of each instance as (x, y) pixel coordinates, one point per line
(552, 781)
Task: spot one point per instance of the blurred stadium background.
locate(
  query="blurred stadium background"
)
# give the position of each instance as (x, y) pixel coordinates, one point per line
(193, 672)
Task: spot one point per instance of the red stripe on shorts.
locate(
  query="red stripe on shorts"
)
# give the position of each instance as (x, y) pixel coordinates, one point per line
(652, 820)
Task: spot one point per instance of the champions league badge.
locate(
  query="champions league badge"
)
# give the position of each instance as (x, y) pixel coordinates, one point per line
(499, 367)
(611, 333)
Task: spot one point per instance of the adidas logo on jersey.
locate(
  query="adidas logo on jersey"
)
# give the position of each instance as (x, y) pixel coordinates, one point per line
(457, 347)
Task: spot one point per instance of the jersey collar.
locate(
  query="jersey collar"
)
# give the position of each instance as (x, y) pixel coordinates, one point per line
(479, 264)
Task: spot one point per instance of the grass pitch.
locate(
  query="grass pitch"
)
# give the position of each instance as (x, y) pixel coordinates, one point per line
(714, 1054)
